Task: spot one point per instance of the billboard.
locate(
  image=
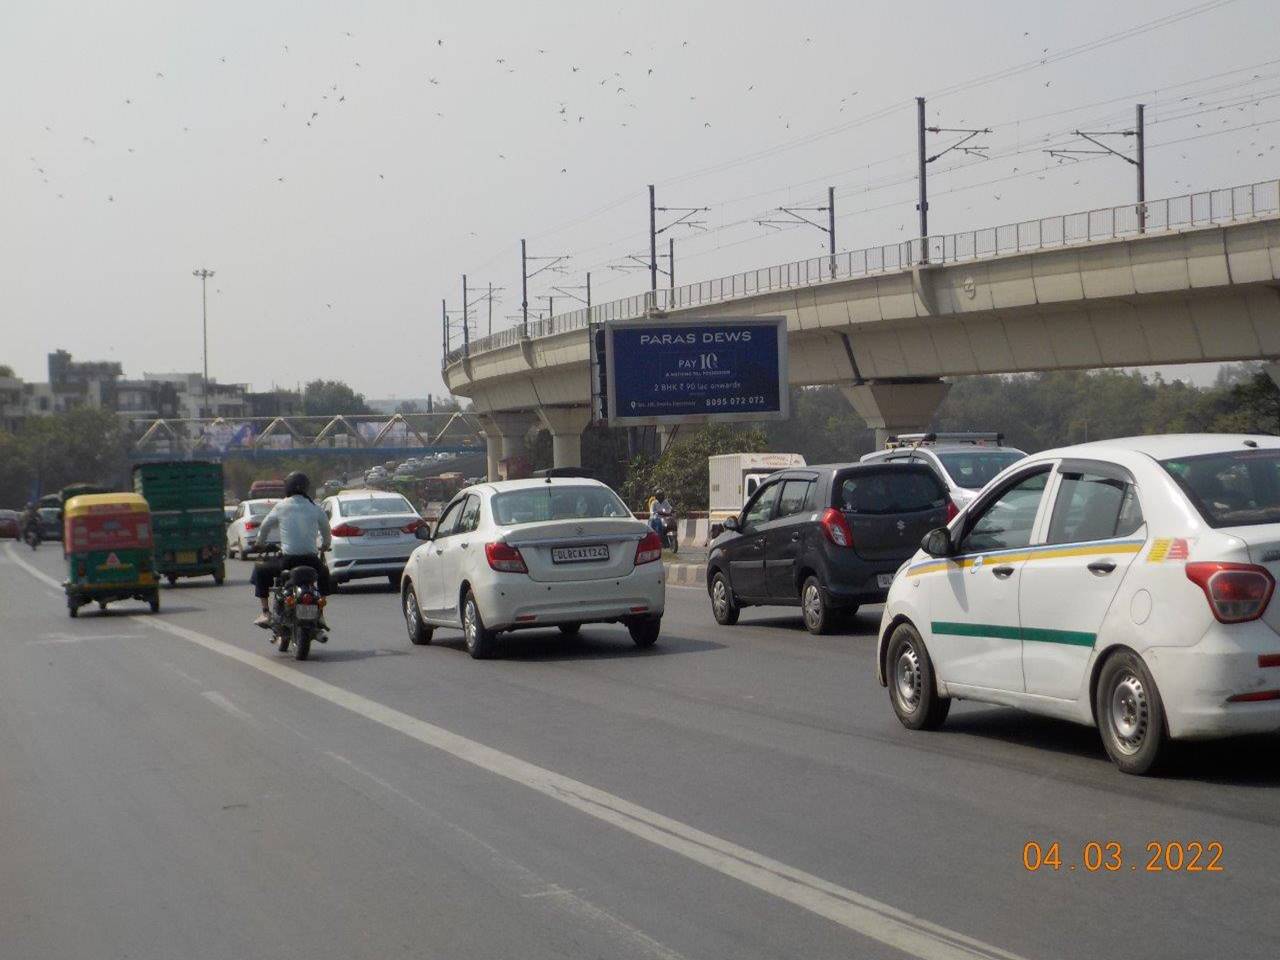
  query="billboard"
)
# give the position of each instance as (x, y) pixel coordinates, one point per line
(693, 371)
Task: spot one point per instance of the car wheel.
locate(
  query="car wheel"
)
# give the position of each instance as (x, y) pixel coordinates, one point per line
(723, 607)
(818, 617)
(479, 640)
(1130, 715)
(570, 629)
(419, 632)
(913, 689)
(172, 578)
(393, 581)
(644, 633)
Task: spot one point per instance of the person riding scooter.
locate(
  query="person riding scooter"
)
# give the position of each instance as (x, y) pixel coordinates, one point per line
(662, 519)
(301, 524)
(31, 526)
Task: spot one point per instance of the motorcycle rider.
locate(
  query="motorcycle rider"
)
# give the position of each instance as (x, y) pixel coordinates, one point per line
(660, 509)
(31, 525)
(301, 523)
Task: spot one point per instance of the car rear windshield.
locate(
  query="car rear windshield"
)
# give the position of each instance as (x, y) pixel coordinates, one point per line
(973, 469)
(1233, 489)
(891, 490)
(555, 502)
(261, 509)
(375, 506)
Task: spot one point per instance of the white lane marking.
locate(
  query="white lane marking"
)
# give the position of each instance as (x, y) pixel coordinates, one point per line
(218, 700)
(861, 914)
(184, 675)
(56, 638)
(535, 886)
(34, 571)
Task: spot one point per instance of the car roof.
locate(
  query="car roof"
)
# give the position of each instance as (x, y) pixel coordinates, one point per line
(1167, 445)
(365, 492)
(505, 486)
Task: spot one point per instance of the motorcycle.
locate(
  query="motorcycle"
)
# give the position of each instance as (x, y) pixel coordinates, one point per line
(670, 537)
(32, 537)
(297, 611)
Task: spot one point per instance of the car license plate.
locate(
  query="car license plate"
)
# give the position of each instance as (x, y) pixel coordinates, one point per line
(884, 580)
(186, 556)
(585, 554)
(389, 532)
(306, 611)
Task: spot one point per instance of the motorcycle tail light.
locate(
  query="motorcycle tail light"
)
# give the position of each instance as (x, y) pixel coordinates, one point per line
(307, 599)
(290, 600)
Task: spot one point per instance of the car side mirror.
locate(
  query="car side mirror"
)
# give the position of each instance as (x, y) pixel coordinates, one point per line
(423, 532)
(732, 524)
(937, 543)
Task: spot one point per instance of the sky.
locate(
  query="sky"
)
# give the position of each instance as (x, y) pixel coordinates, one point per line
(341, 165)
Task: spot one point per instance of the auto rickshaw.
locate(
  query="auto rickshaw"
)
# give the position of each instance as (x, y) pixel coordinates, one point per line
(109, 550)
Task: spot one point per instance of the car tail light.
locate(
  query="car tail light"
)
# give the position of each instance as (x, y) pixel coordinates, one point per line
(649, 549)
(1237, 592)
(251, 524)
(953, 511)
(346, 530)
(504, 557)
(307, 599)
(412, 526)
(836, 527)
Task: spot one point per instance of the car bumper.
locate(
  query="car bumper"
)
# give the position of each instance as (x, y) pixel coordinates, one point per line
(512, 601)
(859, 582)
(351, 562)
(1196, 682)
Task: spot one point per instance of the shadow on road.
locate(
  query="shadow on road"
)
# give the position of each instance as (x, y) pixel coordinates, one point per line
(324, 654)
(859, 625)
(551, 646)
(1242, 761)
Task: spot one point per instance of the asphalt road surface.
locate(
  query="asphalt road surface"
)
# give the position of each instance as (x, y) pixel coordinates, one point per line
(171, 787)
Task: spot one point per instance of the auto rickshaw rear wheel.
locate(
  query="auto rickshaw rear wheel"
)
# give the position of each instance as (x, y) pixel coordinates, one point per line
(154, 602)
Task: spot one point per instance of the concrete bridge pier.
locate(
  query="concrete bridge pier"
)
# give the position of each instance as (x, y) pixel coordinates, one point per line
(504, 436)
(566, 425)
(896, 405)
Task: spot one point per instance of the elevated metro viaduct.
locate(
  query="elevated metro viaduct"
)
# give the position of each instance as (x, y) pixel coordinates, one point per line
(1198, 281)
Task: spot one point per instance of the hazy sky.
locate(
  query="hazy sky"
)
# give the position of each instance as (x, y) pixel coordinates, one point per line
(303, 151)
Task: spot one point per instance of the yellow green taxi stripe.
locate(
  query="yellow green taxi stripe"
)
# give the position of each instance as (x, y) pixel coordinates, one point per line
(996, 631)
(1047, 552)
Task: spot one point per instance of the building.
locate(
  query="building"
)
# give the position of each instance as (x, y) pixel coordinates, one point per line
(196, 401)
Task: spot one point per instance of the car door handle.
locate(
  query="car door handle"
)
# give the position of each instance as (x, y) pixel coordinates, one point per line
(464, 545)
(439, 551)
(1003, 572)
(1101, 568)
(795, 537)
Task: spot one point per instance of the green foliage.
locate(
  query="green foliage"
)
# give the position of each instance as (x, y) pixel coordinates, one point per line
(331, 397)
(6, 370)
(681, 471)
(47, 453)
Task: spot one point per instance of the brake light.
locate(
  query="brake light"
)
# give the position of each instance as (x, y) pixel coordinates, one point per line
(504, 557)
(953, 511)
(412, 526)
(1255, 697)
(836, 527)
(251, 524)
(307, 599)
(346, 530)
(1237, 592)
(649, 549)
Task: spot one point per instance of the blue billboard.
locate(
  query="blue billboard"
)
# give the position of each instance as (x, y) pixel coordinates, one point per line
(689, 371)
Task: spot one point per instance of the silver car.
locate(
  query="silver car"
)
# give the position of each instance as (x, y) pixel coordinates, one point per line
(964, 461)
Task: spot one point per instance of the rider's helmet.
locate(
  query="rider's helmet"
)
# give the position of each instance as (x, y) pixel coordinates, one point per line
(660, 494)
(296, 484)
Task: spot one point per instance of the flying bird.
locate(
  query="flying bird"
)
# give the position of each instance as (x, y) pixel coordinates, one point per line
(127, 100)
(159, 75)
(433, 81)
(706, 125)
(574, 69)
(439, 43)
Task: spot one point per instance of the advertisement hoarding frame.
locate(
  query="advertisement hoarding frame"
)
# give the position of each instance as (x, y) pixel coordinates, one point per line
(777, 323)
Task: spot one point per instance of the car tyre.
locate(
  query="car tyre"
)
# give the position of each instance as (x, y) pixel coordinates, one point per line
(419, 632)
(570, 629)
(818, 615)
(393, 581)
(913, 688)
(478, 639)
(644, 633)
(1130, 715)
(723, 606)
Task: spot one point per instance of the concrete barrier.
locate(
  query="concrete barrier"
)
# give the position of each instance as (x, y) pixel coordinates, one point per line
(686, 574)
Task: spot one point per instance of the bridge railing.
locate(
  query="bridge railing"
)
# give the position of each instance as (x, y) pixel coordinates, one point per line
(1184, 212)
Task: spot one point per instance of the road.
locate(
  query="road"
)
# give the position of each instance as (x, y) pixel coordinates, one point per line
(171, 787)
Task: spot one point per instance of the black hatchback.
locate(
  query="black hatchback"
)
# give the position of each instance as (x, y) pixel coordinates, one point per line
(824, 538)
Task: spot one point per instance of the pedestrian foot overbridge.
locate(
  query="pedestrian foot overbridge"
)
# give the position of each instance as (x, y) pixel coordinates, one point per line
(1182, 280)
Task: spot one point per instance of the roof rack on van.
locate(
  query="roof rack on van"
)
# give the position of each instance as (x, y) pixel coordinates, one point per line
(928, 439)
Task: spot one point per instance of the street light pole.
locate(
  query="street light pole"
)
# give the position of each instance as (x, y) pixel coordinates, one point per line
(204, 276)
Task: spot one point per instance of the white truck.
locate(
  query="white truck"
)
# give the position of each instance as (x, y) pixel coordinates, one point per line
(734, 477)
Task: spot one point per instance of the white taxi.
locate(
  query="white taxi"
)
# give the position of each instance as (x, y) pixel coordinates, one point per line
(517, 554)
(1125, 584)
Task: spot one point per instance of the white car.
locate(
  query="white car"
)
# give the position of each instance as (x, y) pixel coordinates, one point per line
(373, 534)
(242, 532)
(964, 465)
(555, 552)
(1124, 584)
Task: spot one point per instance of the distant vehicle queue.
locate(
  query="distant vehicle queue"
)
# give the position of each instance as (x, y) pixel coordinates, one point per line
(1122, 584)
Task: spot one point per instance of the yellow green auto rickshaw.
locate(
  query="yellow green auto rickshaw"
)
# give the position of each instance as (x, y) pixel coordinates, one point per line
(108, 546)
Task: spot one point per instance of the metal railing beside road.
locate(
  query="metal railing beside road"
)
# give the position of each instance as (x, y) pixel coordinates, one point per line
(1185, 212)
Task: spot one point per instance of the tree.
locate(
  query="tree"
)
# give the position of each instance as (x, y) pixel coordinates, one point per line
(49, 452)
(331, 398)
(408, 407)
(682, 470)
(6, 370)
